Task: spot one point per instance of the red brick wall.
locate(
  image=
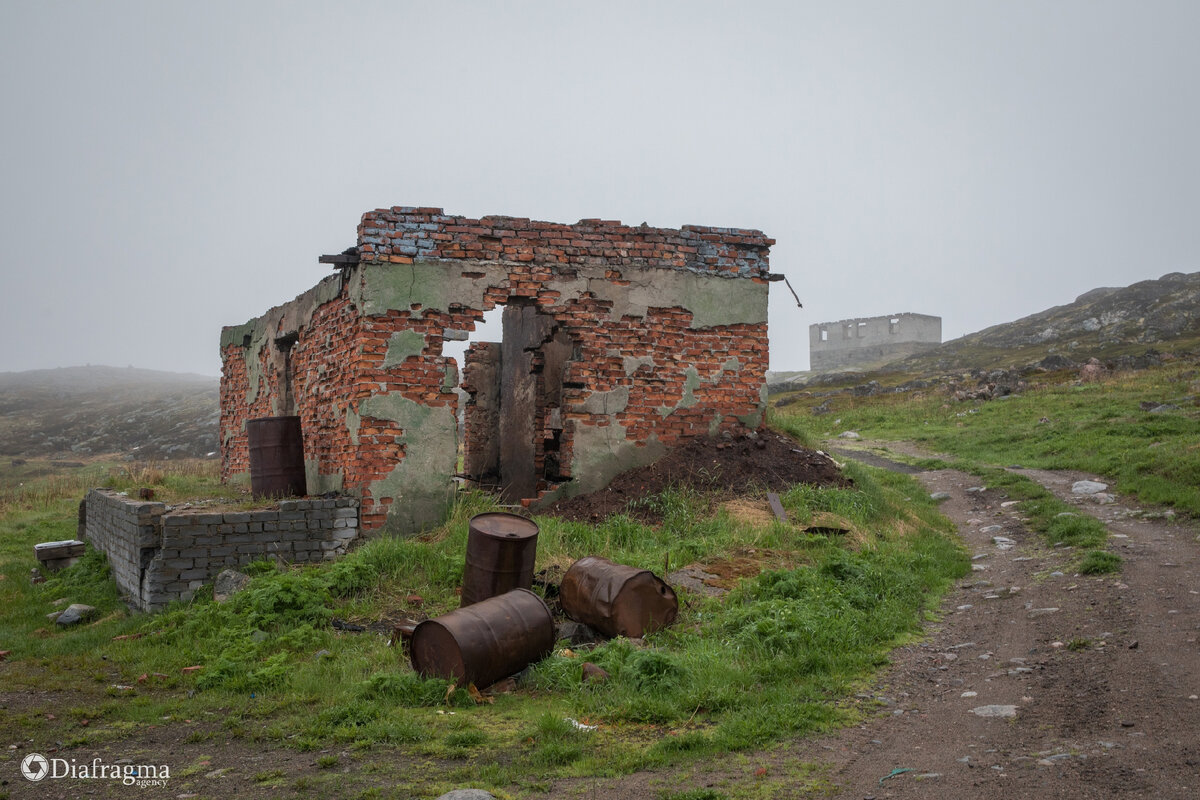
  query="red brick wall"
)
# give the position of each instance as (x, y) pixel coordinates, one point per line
(338, 357)
(403, 234)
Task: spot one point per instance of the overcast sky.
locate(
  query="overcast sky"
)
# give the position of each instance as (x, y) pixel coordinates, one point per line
(169, 168)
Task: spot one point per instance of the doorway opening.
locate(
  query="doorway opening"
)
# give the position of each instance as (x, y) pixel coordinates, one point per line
(512, 426)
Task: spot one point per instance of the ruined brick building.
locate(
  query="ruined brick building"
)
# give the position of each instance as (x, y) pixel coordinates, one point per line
(618, 342)
(866, 342)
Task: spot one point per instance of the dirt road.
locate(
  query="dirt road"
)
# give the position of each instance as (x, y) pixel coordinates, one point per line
(1036, 682)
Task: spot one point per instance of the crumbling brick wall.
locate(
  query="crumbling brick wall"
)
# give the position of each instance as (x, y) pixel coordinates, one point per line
(638, 338)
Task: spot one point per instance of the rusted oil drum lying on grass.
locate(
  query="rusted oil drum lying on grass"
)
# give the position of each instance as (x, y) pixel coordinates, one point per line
(615, 599)
(276, 457)
(501, 549)
(484, 642)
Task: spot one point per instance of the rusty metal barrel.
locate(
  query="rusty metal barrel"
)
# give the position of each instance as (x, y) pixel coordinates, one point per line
(615, 599)
(484, 642)
(501, 549)
(276, 457)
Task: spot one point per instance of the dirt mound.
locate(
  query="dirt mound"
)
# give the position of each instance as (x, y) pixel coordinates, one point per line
(722, 468)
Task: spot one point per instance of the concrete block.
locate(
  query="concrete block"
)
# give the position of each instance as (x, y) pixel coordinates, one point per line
(345, 513)
(287, 516)
(237, 517)
(178, 563)
(194, 574)
(242, 527)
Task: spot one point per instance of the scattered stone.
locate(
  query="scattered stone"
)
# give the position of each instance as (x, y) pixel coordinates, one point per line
(467, 794)
(694, 579)
(976, 489)
(978, 567)
(965, 607)
(35, 576)
(928, 776)
(849, 435)
(938, 496)
(1088, 487)
(190, 670)
(75, 613)
(228, 583)
(317, 656)
(1041, 612)
(1002, 542)
(1104, 498)
(992, 529)
(1010, 503)
(1057, 645)
(1000, 711)
(969, 694)
(1057, 574)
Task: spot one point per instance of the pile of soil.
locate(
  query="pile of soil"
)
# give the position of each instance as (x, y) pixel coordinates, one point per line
(721, 468)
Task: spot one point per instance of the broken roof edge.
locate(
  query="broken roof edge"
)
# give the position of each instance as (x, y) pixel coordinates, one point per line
(403, 234)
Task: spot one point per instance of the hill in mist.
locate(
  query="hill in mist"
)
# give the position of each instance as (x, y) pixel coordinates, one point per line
(86, 411)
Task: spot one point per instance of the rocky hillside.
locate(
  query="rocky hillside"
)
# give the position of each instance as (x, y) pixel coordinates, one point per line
(1106, 323)
(86, 411)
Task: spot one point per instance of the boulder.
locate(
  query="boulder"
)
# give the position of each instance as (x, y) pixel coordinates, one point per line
(228, 583)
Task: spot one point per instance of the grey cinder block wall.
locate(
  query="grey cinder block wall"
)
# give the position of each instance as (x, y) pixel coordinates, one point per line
(871, 341)
(158, 555)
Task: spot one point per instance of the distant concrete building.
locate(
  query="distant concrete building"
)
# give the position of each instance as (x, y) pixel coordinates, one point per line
(871, 341)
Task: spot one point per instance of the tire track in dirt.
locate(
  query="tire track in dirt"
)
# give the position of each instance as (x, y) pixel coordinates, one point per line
(1100, 670)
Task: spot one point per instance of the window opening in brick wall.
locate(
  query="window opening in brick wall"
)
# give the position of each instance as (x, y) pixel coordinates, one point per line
(862, 329)
(824, 334)
(893, 325)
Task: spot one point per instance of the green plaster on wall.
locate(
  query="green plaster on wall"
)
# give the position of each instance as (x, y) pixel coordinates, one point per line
(450, 378)
(611, 402)
(691, 383)
(353, 420)
(236, 334)
(602, 453)
(401, 345)
(713, 301)
(732, 365)
(633, 364)
(436, 285)
(421, 484)
(754, 420)
(318, 483)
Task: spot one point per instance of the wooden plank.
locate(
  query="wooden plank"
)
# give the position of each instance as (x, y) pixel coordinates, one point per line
(338, 259)
(777, 506)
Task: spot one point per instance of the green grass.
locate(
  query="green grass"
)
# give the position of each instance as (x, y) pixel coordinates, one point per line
(779, 657)
(1098, 428)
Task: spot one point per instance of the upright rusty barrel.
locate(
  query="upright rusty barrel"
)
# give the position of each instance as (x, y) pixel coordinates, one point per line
(484, 642)
(501, 549)
(615, 599)
(276, 457)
